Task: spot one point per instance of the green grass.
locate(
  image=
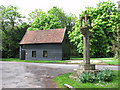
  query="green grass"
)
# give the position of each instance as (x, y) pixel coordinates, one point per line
(112, 62)
(33, 61)
(93, 58)
(64, 79)
(76, 58)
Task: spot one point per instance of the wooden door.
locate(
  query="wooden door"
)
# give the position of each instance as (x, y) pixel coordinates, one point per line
(23, 55)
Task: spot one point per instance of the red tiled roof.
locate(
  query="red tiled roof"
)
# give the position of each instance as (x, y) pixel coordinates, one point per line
(43, 36)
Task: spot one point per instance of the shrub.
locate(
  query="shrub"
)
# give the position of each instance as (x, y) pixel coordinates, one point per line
(87, 77)
(105, 75)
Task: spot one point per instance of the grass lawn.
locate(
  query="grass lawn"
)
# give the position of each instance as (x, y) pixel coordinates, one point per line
(112, 62)
(104, 60)
(64, 79)
(33, 61)
(93, 59)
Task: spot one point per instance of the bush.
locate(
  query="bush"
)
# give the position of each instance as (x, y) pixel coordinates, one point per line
(87, 77)
(105, 75)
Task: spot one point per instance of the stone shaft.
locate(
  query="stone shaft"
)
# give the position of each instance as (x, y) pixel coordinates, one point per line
(86, 55)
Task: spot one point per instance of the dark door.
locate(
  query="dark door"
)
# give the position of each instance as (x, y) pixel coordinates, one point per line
(23, 55)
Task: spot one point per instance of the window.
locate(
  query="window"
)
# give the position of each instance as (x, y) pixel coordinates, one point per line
(33, 53)
(44, 53)
(23, 46)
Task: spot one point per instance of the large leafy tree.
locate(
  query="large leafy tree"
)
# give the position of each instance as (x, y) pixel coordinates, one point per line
(116, 39)
(104, 18)
(54, 18)
(44, 22)
(66, 20)
(10, 19)
(34, 14)
(59, 13)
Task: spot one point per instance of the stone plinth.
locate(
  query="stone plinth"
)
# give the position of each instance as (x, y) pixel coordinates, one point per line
(77, 73)
(87, 67)
(84, 68)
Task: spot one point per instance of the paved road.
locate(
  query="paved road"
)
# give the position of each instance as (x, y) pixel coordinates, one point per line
(35, 75)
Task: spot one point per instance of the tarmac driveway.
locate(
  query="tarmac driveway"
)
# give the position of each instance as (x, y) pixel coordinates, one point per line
(29, 75)
(34, 75)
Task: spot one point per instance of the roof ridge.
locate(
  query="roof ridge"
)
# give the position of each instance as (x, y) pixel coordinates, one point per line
(48, 29)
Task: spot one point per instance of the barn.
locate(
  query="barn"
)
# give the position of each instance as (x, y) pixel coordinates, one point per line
(50, 44)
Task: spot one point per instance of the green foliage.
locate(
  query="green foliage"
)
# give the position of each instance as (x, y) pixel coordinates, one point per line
(102, 76)
(67, 20)
(104, 17)
(59, 13)
(45, 22)
(87, 77)
(105, 75)
(34, 14)
(64, 79)
(12, 32)
(54, 18)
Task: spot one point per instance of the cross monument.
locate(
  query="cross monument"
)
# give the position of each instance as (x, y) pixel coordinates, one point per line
(86, 34)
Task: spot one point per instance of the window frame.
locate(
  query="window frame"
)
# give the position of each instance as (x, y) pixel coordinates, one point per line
(33, 53)
(45, 54)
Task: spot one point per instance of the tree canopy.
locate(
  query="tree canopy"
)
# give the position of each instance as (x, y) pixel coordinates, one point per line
(34, 14)
(12, 32)
(54, 18)
(104, 17)
(44, 22)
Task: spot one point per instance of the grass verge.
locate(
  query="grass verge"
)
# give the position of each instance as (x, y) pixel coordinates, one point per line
(109, 61)
(93, 59)
(112, 62)
(33, 61)
(64, 79)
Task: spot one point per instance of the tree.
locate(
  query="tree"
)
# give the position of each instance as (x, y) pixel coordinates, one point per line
(54, 18)
(102, 23)
(44, 22)
(34, 14)
(66, 20)
(59, 13)
(10, 19)
(116, 40)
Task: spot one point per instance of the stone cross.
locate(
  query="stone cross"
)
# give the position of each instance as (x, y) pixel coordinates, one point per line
(86, 33)
(86, 67)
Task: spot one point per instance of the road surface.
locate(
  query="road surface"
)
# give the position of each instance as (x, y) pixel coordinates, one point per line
(35, 75)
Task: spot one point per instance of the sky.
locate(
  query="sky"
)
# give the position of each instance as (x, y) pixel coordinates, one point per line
(69, 6)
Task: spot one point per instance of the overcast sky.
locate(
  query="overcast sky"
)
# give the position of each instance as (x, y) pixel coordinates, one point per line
(69, 6)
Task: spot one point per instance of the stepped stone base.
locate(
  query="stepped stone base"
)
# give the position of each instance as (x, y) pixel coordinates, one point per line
(87, 67)
(78, 72)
